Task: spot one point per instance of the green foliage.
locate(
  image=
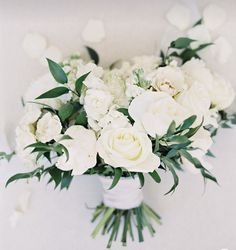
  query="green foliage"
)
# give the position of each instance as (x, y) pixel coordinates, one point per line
(79, 83)
(81, 119)
(181, 43)
(140, 80)
(93, 54)
(6, 156)
(117, 176)
(35, 173)
(53, 93)
(57, 72)
(66, 111)
(181, 48)
(111, 219)
(155, 176)
(141, 179)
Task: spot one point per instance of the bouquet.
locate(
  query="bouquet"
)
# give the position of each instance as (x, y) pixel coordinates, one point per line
(139, 117)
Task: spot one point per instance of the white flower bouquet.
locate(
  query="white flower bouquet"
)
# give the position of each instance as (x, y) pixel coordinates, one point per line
(143, 116)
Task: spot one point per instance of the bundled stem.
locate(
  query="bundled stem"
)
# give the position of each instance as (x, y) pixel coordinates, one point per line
(112, 220)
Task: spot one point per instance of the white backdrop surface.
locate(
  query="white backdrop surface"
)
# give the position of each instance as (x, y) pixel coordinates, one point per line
(192, 219)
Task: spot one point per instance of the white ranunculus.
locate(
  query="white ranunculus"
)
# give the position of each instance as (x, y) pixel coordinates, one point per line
(81, 148)
(202, 140)
(97, 103)
(133, 90)
(155, 111)
(128, 148)
(200, 155)
(115, 83)
(48, 127)
(196, 100)
(196, 71)
(221, 93)
(169, 79)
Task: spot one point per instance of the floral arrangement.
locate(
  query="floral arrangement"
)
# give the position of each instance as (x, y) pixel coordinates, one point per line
(143, 116)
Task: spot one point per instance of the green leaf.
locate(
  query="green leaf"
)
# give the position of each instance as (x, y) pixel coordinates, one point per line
(39, 146)
(66, 111)
(141, 179)
(6, 156)
(57, 72)
(181, 43)
(56, 175)
(203, 46)
(198, 22)
(79, 83)
(188, 122)
(117, 175)
(172, 129)
(181, 139)
(157, 145)
(193, 131)
(156, 177)
(66, 180)
(82, 119)
(35, 173)
(93, 54)
(210, 154)
(53, 93)
(61, 149)
(188, 54)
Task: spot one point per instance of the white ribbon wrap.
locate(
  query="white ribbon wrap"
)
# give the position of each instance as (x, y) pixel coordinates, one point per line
(126, 194)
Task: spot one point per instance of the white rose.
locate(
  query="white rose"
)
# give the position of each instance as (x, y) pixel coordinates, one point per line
(128, 148)
(221, 93)
(97, 103)
(82, 150)
(48, 127)
(169, 79)
(196, 100)
(155, 111)
(195, 71)
(202, 140)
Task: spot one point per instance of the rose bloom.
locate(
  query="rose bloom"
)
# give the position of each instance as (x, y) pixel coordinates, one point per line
(154, 111)
(128, 148)
(81, 148)
(48, 127)
(97, 103)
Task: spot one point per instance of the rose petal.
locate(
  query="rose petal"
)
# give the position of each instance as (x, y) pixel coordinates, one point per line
(52, 53)
(214, 16)
(179, 16)
(94, 31)
(222, 50)
(34, 44)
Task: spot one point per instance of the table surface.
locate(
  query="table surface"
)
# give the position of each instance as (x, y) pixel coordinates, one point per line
(193, 218)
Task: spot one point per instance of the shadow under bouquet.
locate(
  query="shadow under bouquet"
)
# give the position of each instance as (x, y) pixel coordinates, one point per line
(143, 116)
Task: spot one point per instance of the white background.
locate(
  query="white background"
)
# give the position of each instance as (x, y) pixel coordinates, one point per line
(192, 219)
